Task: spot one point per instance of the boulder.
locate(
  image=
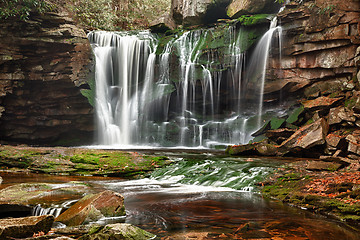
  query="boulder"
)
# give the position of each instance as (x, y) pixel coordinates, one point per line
(198, 12)
(14, 228)
(119, 231)
(242, 7)
(163, 24)
(93, 207)
(307, 136)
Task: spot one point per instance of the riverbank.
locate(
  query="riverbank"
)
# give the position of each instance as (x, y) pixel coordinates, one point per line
(327, 187)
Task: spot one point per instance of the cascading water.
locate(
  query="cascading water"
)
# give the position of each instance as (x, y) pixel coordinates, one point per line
(189, 95)
(258, 65)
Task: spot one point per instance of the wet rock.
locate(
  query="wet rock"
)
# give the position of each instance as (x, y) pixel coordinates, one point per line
(322, 166)
(339, 114)
(308, 136)
(163, 24)
(93, 207)
(35, 193)
(14, 228)
(119, 231)
(242, 7)
(320, 103)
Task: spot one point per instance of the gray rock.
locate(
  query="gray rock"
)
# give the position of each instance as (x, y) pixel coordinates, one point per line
(242, 7)
(198, 12)
(25, 227)
(163, 24)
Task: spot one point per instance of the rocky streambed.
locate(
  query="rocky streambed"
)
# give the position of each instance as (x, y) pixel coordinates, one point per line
(87, 205)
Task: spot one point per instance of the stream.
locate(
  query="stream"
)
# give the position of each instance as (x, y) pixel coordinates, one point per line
(208, 196)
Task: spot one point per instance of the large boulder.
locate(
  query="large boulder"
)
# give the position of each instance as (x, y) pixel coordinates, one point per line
(119, 231)
(93, 207)
(198, 12)
(14, 228)
(242, 7)
(307, 136)
(163, 24)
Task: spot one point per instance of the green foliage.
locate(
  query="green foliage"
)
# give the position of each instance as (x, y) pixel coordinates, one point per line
(294, 116)
(90, 93)
(276, 123)
(22, 8)
(117, 15)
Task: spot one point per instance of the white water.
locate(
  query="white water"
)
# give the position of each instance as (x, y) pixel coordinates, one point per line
(140, 101)
(258, 65)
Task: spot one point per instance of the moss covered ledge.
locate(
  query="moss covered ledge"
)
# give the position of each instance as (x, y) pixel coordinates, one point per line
(78, 161)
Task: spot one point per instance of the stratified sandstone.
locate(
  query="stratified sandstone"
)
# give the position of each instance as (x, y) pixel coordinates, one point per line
(44, 63)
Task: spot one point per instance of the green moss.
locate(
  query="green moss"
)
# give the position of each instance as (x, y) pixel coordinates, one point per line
(247, 20)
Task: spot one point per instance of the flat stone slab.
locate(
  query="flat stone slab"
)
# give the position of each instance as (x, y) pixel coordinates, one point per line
(25, 227)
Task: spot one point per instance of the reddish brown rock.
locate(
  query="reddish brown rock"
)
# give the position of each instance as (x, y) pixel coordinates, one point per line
(93, 207)
(15, 228)
(308, 136)
(320, 102)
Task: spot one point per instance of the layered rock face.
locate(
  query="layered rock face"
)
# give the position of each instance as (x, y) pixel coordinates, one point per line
(44, 63)
(319, 46)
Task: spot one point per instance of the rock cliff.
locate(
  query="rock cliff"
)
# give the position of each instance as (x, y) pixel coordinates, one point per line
(44, 63)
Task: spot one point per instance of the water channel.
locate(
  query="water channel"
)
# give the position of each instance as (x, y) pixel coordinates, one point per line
(207, 196)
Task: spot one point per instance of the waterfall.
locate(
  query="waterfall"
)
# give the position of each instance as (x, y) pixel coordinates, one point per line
(189, 95)
(39, 211)
(258, 65)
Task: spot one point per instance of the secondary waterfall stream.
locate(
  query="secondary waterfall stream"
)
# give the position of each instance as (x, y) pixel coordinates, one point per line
(187, 95)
